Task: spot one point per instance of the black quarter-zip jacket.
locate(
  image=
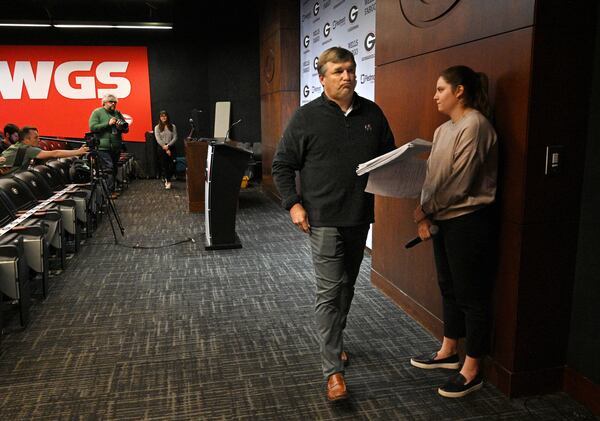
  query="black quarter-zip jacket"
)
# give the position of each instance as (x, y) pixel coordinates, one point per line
(326, 147)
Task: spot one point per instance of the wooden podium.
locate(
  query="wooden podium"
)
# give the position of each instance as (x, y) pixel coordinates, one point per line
(195, 155)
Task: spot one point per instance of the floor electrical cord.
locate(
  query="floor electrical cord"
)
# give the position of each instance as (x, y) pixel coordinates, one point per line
(139, 246)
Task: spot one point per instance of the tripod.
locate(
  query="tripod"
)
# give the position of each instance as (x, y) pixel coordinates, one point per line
(99, 183)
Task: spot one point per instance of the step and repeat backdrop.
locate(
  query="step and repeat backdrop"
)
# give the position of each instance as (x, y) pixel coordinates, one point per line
(337, 23)
(55, 88)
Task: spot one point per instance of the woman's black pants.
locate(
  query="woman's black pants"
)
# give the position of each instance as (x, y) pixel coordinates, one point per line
(166, 162)
(465, 256)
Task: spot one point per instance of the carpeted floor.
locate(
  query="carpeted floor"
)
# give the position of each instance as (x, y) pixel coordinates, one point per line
(180, 333)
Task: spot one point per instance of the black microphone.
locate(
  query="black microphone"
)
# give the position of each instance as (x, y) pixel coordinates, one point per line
(229, 129)
(433, 230)
(192, 129)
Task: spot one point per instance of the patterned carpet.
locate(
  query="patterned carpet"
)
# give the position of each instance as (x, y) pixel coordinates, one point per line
(180, 333)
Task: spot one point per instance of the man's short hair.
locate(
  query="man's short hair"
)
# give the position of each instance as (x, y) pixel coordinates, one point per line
(109, 97)
(24, 132)
(334, 55)
(11, 129)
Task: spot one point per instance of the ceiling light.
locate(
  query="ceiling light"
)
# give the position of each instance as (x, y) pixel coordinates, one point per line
(25, 24)
(116, 25)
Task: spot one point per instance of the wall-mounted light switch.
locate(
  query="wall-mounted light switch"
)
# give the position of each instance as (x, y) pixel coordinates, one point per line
(554, 159)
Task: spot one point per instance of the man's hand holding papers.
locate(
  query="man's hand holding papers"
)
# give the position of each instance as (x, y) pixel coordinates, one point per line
(399, 173)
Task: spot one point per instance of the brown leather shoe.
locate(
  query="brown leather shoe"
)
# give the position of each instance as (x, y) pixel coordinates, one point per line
(336, 387)
(345, 358)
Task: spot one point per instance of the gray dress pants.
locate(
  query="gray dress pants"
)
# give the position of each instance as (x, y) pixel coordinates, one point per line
(337, 254)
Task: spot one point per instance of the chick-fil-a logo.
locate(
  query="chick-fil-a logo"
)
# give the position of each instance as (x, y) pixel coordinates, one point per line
(55, 88)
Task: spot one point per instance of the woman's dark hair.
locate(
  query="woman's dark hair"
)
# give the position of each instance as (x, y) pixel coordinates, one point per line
(475, 87)
(161, 125)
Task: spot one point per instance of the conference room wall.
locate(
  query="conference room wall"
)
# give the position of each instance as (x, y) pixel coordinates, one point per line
(199, 62)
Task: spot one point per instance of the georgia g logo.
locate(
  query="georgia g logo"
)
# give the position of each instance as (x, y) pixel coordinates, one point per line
(353, 14)
(369, 41)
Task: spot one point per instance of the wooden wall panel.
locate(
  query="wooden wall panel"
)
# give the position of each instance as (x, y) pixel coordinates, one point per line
(278, 55)
(407, 28)
(279, 78)
(560, 94)
(276, 110)
(278, 15)
(545, 287)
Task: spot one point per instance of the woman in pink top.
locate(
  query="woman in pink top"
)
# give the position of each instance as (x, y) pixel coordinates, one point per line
(457, 200)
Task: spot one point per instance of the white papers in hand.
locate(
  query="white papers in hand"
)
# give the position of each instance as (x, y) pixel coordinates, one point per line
(399, 173)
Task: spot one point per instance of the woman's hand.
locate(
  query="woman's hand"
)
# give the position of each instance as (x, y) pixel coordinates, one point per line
(418, 214)
(423, 229)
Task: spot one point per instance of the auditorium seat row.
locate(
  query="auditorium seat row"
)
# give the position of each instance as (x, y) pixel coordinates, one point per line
(43, 216)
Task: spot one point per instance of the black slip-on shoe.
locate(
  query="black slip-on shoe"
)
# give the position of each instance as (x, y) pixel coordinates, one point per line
(428, 361)
(455, 387)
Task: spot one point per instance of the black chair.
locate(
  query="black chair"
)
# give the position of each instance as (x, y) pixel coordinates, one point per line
(55, 176)
(19, 199)
(52, 177)
(78, 172)
(14, 274)
(67, 206)
(35, 244)
(61, 169)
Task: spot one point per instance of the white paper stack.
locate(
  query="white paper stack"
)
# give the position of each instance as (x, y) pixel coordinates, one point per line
(399, 173)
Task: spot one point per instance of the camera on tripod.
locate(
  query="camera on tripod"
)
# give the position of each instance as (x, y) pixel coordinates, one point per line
(91, 140)
(120, 126)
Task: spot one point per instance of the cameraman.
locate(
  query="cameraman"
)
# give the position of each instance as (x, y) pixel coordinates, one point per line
(109, 124)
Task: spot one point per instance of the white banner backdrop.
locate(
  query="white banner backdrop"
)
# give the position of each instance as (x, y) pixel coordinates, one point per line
(337, 23)
(343, 23)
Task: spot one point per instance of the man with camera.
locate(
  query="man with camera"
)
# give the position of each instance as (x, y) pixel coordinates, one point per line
(108, 124)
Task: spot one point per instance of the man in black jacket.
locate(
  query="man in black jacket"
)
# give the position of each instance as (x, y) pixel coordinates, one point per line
(325, 141)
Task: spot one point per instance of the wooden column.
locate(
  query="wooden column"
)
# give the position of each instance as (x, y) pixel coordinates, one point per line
(195, 156)
(279, 76)
(537, 56)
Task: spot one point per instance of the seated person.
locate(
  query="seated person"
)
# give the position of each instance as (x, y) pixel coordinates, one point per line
(19, 155)
(11, 136)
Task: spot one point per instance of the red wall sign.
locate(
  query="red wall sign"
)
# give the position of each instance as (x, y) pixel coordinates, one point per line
(56, 88)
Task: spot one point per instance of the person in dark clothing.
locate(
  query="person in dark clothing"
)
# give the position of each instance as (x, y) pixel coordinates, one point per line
(11, 136)
(325, 141)
(165, 134)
